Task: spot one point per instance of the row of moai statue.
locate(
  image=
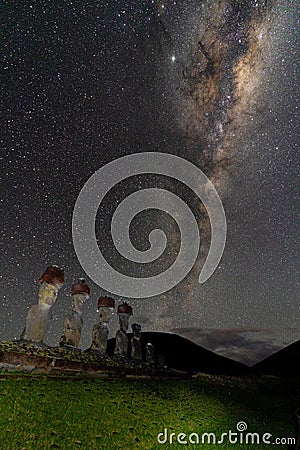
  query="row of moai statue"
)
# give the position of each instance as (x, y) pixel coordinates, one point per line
(37, 320)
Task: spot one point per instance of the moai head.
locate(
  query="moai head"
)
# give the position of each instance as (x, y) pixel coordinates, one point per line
(149, 347)
(51, 281)
(47, 294)
(124, 313)
(106, 306)
(80, 293)
(137, 330)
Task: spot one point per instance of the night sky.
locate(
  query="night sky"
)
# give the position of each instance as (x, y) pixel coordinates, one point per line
(215, 82)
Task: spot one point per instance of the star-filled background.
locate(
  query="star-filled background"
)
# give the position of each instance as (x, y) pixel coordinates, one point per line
(215, 82)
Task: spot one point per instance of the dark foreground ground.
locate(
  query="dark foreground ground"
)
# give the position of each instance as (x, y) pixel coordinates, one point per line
(58, 411)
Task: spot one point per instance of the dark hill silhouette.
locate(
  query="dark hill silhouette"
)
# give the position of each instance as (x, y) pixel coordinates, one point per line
(182, 354)
(285, 362)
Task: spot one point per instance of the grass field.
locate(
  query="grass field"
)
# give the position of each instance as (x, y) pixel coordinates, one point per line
(39, 412)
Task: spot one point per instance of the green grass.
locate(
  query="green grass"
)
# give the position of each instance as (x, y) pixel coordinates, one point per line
(39, 412)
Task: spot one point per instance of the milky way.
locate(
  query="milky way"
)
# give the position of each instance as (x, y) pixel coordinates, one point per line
(219, 67)
(221, 78)
(214, 82)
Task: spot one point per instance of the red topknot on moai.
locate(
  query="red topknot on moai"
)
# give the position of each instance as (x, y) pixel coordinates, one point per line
(37, 319)
(106, 306)
(53, 275)
(124, 313)
(80, 292)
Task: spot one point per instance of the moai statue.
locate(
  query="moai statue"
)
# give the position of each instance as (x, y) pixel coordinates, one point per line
(136, 346)
(161, 361)
(124, 313)
(150, 353)
(37, 319)
(80, 292)
(106, 306)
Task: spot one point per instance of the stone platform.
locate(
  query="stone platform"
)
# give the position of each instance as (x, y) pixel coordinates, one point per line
(27, 357)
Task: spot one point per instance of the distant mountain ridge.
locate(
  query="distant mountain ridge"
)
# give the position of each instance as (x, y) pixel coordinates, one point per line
(284, 362)
(183, 354)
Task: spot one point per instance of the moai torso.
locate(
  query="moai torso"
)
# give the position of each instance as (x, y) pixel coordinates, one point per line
(72, 329)
(73, 321)
(136, 346)
(38, 316)
(101, 330)
(37, 320)
(99, 337)
(124, 313)
(121, 347)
